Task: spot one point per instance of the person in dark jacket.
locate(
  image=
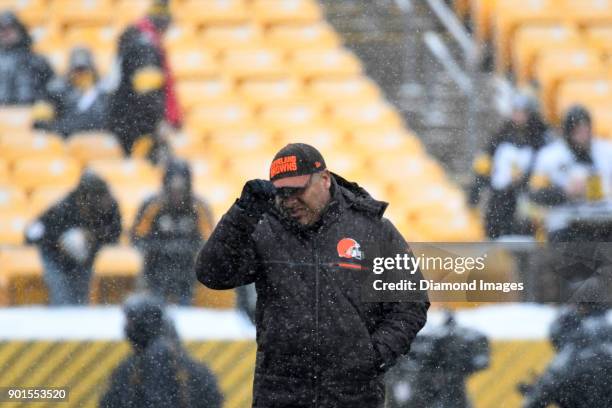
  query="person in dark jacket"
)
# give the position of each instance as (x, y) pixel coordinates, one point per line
(69, 236)
(435, 374)
(23, 74)
(307, 239)
(505, 165)
(146, 96)
(160, 373)
(580, 375)
(170, 228)
(75, 103)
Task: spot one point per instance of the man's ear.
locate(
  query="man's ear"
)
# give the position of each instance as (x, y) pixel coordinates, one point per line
(326, 176)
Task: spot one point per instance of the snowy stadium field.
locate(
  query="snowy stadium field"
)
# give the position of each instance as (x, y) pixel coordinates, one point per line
(78, 347)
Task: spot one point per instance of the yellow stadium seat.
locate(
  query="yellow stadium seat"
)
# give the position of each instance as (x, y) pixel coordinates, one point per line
(588, 92)
(222, 37)
(104, 59)
(336, 90)
(58, 58)
(203, 170)
(12, 199)
(587, 12)
(128, 11)
(482, 18)
(88, 146)
(42, 198)
(220, 115)
(192, 63)
(322, 137)
(180, 36)
(289, 37)
(530, 39)
(552, 66)
(409, 169)
(130, 197)
(602, 120)
(290, 114)
(392, 140)
(187, 145)
(204, 90)
(48, 38)
(345, 163)
(81, 12)
(4, 171)
(358, 115)
(239, 141)
(12, 226)
(243, 167)
(254, 63)
(115, 271)
(30, 12)
(33, 173)
(15, 119)
(94, 37)
(118, 172)
(286, 11)
(508, 17)
(261, 91)
(16, 148)
(600, 37)
(204, 12)
(325, 63)
(220, 195)
(21, 272)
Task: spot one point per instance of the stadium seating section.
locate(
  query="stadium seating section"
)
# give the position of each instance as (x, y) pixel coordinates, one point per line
(561, 46)
(252, 75)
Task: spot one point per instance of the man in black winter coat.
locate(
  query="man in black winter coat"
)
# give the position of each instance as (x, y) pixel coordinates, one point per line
(307, 240)
(170, 229)
(23, 74)
(69, 236)
(160, 373)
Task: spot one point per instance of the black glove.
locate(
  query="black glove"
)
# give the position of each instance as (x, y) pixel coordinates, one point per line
(257, 197)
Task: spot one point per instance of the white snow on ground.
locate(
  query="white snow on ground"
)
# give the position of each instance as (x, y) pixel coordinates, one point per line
(498, 322)
(106, 323)
(504, 321)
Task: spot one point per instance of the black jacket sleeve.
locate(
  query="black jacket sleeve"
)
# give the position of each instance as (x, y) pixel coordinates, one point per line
(229, 259)
(52, 226)
(401, 320)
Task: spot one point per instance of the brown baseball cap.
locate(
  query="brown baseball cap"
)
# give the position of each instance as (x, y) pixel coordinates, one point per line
(293, 165)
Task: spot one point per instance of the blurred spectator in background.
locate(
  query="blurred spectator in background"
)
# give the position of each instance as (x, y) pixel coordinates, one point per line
(23, 74)
(505, 164)
(576, 168)
(146, 95)
(580, 375)
(436, 371)
(74, 103)
(70, 234)
(170, 228)
(160, 373)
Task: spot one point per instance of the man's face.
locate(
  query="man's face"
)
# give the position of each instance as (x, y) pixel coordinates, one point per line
(519, 117)
(9, 36)
(582, 135)
(177, 190)
(307, 204)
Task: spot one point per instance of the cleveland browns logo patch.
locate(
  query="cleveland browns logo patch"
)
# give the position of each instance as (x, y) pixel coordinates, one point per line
(350, 249)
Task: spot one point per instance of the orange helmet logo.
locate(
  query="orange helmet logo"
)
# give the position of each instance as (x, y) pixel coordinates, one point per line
(349, 248)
